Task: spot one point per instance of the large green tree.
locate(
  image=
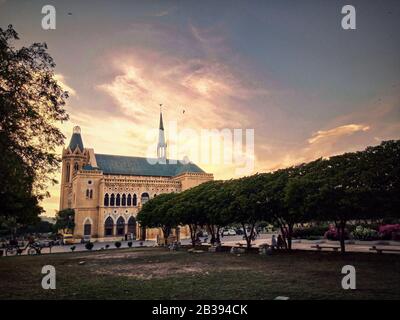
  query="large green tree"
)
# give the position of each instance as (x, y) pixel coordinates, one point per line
(31, 104)
(217, 199)
(158, 213)
(190, 209)
(65, 221)
(247, 204)
(351, 186)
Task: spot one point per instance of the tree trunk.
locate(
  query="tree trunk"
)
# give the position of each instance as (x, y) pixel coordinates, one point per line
(342, 236)
(166, 232)
(284, 236)
(217, 237)
(289, 237)
(211, 231)
(143, 234)
(193, 230)
(250, 236)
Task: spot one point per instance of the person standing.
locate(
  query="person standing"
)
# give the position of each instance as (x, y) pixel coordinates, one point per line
(273, 242)
(280, 242)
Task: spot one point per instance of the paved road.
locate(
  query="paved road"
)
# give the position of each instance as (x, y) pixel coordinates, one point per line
(359, 246)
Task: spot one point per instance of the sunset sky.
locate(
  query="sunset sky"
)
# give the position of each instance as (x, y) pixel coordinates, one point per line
(286, 69)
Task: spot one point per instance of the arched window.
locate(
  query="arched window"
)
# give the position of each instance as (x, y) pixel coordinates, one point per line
(76, 166)
(144, 198)
(120, 226)
(87, 193)
(87, 228)
(154, 196)
(118, 200)
(134, 200)
(132, 227)
(106, 200)
(112, 200)
(129, 201)
(108, 227)
(91, 194)
(124, 199)
(68, 172)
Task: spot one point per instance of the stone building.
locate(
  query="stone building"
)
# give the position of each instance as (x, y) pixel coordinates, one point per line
(107, 191)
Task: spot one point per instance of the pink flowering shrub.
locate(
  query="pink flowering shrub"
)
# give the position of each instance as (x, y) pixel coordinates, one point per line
(334, 234)
(389, 232)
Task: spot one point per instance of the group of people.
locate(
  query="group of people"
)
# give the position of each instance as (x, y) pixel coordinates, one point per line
(277, 242)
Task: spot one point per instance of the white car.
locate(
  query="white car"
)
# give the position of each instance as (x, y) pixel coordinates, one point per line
(229, 232)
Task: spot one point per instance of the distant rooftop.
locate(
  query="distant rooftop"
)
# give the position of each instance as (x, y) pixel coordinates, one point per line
(140, 166)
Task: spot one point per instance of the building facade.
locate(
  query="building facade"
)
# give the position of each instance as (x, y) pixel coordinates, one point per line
(107, 191)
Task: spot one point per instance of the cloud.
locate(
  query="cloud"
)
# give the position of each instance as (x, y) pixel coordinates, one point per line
(61, 81)
(337, 132)
(163, 13)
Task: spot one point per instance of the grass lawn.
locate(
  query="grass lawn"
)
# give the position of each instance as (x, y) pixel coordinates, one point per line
(155, 273)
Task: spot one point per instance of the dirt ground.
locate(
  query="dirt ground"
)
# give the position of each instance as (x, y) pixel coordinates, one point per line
(156, 273)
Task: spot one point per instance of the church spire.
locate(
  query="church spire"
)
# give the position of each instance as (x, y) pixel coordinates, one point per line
(161, 146)
(161, 122)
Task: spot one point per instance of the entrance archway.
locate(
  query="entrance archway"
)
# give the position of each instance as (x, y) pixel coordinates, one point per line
(132, 227)
(120, 226)
(108, 227)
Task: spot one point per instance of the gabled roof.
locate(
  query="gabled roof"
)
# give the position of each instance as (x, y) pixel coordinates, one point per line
(140, 166)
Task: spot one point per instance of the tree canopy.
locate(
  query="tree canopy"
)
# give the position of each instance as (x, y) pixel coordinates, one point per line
(357, 185)
(31, 104)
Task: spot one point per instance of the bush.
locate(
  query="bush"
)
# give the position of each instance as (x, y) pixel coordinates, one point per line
(107, 246)
(117, 244)
(73, 248)
(89, 245)
(389, 232)
(334, 234)
(130, 244)
(309, 232)
(364, 233)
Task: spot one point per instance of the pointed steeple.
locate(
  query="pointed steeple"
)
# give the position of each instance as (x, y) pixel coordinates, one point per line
(161, 146)
(161, 122)
(76, 139)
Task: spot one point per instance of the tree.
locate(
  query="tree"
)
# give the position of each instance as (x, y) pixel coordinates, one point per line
(157, 213)
(217, 207)
(276, 210)
(246, 205)
(65, 221)
(31, 104)
(357, 185)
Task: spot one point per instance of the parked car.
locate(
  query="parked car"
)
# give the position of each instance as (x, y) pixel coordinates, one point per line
(239, 231)
(229, 232)
(68, 239)
(45, 243)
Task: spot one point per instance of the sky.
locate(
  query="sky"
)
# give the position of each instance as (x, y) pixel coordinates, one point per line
(285, 69)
